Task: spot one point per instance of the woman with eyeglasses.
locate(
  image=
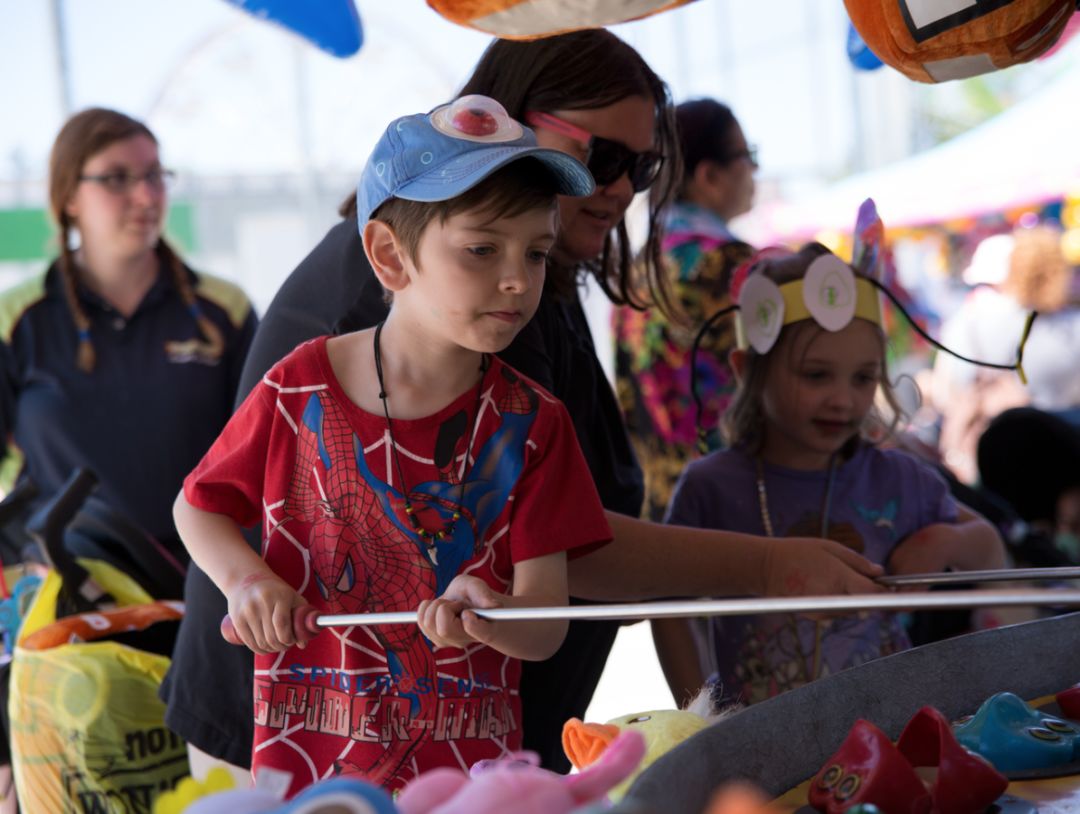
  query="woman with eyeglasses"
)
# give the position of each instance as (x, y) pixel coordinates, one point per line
(591, 95)
(118, 357)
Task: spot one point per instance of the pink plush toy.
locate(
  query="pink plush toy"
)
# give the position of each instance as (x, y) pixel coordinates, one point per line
(520, 785)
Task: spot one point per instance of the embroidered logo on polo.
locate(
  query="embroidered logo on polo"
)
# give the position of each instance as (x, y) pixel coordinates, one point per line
(187, 351)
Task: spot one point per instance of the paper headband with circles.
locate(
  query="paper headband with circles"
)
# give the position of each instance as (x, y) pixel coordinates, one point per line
(829, 293)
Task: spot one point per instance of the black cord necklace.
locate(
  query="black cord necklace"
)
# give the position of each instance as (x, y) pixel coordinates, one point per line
(428, 537)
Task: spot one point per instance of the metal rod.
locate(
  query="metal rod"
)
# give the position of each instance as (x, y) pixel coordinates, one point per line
(998, 575)
(849, 603)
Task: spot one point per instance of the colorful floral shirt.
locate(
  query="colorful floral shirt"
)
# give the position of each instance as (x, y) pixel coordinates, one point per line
(652, 353)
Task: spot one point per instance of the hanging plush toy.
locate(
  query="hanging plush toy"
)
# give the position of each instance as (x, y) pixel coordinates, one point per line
(332, 25)
(939, 40)
(532, 19)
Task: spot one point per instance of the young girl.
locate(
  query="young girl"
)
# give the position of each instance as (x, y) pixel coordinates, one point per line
(801, 463)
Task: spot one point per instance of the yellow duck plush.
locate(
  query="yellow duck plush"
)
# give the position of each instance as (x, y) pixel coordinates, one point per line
(663, 729)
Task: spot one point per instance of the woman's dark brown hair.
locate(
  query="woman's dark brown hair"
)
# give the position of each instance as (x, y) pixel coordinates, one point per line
(83, 136)
(707, 131)
(580, 71)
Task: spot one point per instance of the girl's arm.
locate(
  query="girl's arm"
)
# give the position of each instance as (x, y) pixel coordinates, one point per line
(677, 652)
(539, 582)
(652, 561)
(260, 602)
(970, 544)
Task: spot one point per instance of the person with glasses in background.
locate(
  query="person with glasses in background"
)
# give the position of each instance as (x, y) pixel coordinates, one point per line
(118, 357)
(591, 95)
(652, 349)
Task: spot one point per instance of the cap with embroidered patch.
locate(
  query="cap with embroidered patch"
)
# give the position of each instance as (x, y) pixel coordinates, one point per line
(439, 155)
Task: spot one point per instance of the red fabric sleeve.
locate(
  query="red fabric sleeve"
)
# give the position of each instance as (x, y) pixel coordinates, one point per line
(229, 478)
(556, 505)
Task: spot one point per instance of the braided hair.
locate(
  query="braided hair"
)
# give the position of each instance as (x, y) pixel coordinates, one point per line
(83, 136)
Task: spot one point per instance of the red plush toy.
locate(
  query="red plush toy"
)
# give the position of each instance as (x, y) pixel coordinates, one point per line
(939, 40)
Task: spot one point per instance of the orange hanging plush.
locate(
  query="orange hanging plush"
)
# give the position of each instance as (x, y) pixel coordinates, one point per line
(532, 19)
(939, 40)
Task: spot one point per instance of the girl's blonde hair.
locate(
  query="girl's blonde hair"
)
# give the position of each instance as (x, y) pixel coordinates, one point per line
(743, 422)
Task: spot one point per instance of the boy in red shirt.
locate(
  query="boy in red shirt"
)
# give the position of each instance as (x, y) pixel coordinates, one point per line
(407, 468)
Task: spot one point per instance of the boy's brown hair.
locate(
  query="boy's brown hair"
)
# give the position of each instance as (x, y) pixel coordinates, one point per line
(519, 187)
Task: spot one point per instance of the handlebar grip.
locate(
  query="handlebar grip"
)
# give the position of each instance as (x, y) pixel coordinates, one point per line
(17, 500)
(303, 617)
(46, 526)
(55, 515)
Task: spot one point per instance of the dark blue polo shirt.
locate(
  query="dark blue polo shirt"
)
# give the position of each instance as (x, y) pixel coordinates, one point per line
(147, 412)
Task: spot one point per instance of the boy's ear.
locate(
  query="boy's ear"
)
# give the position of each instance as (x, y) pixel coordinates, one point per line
(737, 360)
(386, 254)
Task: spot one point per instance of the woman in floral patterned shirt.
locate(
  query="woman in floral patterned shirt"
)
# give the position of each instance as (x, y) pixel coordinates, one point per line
(652, 366)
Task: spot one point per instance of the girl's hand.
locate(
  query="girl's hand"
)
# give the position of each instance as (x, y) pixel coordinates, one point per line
(261, 614)
(808, 566)
(447, 620)
(930, 550)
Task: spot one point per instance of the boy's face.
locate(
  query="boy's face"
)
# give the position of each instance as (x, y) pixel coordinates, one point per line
(476, 280)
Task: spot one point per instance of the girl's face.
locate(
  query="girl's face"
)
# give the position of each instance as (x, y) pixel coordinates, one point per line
(119, 206)
(584, 223)
(818, 389)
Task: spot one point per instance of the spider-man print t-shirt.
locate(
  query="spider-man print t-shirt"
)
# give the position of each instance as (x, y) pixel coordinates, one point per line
(381, 702)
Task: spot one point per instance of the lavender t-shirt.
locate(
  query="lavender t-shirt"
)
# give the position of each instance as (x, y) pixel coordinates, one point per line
(879, 497)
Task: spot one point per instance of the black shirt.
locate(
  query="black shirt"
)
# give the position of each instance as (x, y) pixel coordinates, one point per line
(146, 413)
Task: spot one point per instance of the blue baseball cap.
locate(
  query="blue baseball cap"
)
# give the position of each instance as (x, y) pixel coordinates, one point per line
(439, 155)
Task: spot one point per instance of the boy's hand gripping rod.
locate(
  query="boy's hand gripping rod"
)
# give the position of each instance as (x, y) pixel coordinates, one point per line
(308, 617)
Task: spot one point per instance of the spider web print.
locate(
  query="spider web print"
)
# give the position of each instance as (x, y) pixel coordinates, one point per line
(379, 702)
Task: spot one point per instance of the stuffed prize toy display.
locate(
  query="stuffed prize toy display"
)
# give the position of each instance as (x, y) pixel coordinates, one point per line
(939, 40)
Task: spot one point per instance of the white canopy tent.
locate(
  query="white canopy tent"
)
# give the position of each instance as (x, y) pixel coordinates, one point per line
(1027, 155)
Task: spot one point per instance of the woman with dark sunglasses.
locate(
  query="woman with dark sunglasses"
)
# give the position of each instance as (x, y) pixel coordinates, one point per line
(615, 114)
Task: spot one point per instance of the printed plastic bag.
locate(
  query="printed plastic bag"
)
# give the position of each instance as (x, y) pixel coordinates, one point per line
(87, 727)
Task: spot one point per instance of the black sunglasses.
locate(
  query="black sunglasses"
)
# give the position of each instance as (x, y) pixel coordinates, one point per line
(607, 160)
